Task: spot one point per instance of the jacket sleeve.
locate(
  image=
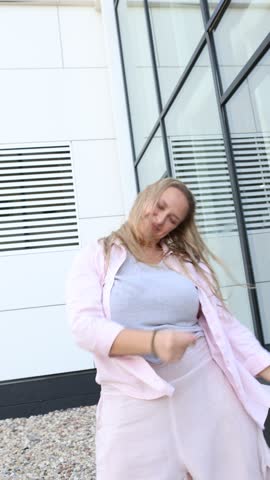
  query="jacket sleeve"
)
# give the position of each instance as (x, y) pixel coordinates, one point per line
(92, 330)
(246, 347)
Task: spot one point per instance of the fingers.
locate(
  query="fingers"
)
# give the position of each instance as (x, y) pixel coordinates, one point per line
(171, 345)
(194, 339)
(188, 338)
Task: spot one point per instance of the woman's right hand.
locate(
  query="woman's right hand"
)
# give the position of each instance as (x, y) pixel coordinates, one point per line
(170, 345)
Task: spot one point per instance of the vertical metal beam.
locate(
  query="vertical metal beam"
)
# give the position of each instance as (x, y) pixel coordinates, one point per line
(247, 259)
(213, 21)
(157, 87)
(126, 95)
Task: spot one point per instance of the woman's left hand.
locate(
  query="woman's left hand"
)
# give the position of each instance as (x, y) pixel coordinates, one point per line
(265, 374)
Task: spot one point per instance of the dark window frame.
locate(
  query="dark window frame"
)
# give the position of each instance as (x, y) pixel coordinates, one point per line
(207, 40)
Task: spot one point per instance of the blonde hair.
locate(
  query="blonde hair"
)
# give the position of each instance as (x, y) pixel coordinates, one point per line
(184, 241)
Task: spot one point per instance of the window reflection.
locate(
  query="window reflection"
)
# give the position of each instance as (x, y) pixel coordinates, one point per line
(212, 5)
(251, 147)
(177, 29)
(193, 128)
(152, 166)
(199, 160)
(242, 29)
(138, 69)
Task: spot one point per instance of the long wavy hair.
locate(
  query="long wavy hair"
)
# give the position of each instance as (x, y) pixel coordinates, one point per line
(185, 241)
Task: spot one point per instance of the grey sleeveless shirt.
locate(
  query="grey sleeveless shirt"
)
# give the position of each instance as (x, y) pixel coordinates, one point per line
(154, 298)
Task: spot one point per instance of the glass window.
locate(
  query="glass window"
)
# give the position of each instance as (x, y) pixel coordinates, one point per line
(177, 29)
(243, 27)
(138, 68)
(212, 4)
(152, 166)
(199, 160)
(249, 120)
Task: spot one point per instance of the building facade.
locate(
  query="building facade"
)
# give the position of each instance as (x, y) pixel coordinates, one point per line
(197, 76)
(67, 177)
(99, 99)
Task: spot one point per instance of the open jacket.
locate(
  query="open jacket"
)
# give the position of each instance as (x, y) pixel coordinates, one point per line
(233, 347)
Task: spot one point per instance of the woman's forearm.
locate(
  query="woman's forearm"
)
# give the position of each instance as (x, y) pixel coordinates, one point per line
(132, 342)
(168, 345)
(265, 374)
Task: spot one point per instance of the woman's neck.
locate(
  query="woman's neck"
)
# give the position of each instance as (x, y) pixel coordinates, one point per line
(150, 244)
(152, 253)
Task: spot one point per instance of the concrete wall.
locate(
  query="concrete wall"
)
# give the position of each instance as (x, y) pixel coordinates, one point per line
(56, 85)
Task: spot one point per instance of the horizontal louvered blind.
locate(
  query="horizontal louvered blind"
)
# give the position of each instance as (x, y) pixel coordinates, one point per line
(201, 163)
(37, 200)
(252, 158)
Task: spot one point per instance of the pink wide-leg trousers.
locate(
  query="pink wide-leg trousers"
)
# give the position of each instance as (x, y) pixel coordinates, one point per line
(202, 429)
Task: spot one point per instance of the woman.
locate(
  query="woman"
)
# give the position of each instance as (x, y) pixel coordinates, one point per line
(178, 395)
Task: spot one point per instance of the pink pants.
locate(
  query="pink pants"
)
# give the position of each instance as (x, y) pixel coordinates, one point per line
(202, 429)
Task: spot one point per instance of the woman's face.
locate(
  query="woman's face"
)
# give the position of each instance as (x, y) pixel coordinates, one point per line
(170, 210)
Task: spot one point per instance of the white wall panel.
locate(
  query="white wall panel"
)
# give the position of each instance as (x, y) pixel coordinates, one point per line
(34, 279)
(94, 228)
(97, 178)
(38, 341)
(43, 102)
(49, 105)
(29, 37)
(85, 49)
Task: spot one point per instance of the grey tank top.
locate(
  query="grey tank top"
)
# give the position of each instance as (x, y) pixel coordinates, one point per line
(154, 298)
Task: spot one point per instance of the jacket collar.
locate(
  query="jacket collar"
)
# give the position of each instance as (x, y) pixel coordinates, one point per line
(175, 265)
(165, 248)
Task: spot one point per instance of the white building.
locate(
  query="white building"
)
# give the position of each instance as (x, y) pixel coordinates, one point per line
(66, 177)
(193, 103)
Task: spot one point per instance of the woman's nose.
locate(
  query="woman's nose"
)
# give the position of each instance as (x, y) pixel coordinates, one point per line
(159, 219)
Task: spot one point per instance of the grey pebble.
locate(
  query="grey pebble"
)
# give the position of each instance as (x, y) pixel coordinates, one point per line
(58, 445)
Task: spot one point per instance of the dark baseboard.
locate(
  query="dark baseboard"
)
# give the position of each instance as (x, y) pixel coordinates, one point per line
(39, 395)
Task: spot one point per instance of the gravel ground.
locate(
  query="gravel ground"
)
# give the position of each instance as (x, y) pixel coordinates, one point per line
(58, 445)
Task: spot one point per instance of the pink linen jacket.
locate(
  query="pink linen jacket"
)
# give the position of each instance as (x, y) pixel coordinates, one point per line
(233, 347)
